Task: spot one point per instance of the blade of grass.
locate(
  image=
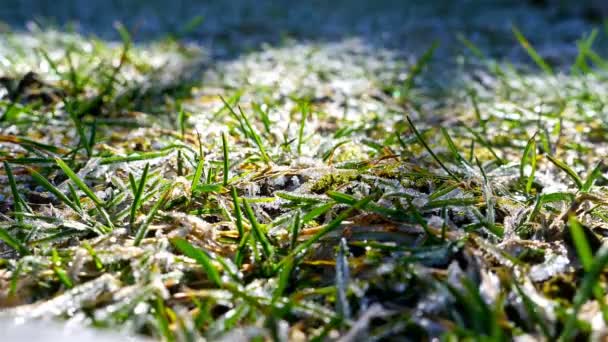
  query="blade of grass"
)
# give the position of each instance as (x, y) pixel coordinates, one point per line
(317, 211)
(240, 251)
(263, 115)
(585, 290)
(305, 109)
(483, 142)
(79, 183)
(592, 177)
(528, 157)
(198, 173)
(257, 230)
(17, 200)
(564, 167)
(137, 196)
(584, 47)
(295, 230)
(237, 212)
(480, 120)
(452, 147)
(580, 243)
(335, 223)
(162, 320)
(200, 256)
(247, 128)
(283, 282)
(59, 271)
(255, 136)
(82, 186)
(451, 202)
(143, 228)
(75, 197)
(137, 156)
(226, 160)
(532, 52)
(342, 280)
(94, 256)
(42, 181)
(13, 242)
(424, 144)
(351, 200)
(235, 115)
(84, 140)
(489, 197)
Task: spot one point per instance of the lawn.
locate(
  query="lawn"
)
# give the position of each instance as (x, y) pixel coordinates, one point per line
(309, 189)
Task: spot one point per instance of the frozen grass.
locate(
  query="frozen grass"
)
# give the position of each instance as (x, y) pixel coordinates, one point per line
(305, 191)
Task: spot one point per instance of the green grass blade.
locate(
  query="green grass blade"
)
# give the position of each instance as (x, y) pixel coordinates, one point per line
(317, 211)
(305, 109)
(528, 157)
(256, 137)
(237, 213)
(451, 202)
(13, 242)
(247, 128)
(584, 49)
(483, 142)
(571, 173)
(284, 277)
(580, 243)
(79, 183)
(200, 256)
(585, 290)
(162, 321)
(488, 195)
(351, 200)
(452, 147)
(96, 260)
(295, 230)
(226, 161)
(138, 156)
(424, 144)
(592, 177)
(335, 223)
(198, 173)
(137, 196)
(59, 271)
(75, 197)
(532, 52)
(42, 181)
(208, 188)
(480, 120)
(240, 251)
(17, 201)
(298, 198)
(257, 230)
(143, 228)
(236, 115)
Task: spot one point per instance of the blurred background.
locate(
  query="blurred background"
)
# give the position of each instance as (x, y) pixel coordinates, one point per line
(231, 27)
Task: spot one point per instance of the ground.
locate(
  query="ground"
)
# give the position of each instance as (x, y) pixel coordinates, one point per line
(356, 171)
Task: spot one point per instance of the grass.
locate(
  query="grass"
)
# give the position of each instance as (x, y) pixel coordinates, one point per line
(420, 212)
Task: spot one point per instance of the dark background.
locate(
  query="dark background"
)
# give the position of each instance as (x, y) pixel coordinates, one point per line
(231, 27)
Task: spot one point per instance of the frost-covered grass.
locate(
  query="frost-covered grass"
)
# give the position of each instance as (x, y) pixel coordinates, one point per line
(316, 190)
